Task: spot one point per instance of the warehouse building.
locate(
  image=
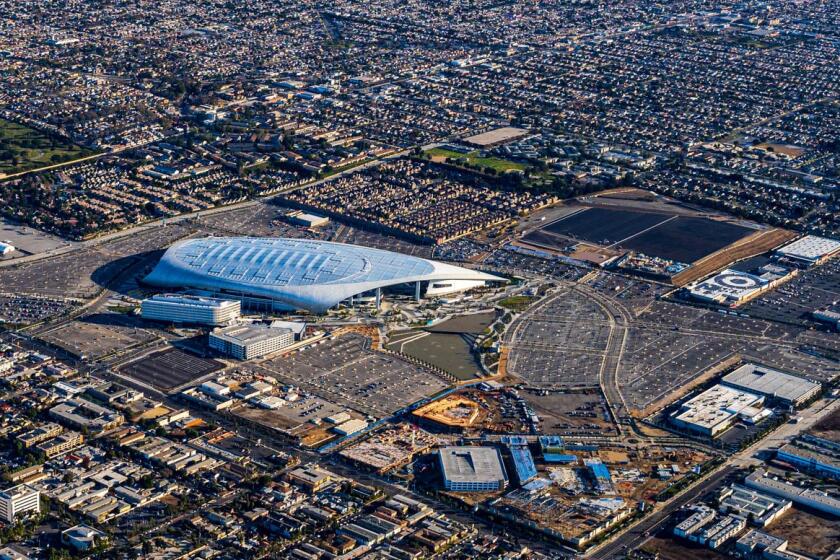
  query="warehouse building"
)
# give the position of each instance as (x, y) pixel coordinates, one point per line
(472, 469)
(816, 455)
(762, 509)
(197, 310)
(307, 219)
(783, 388)
(245, 342)
(809, 250)
(808, 497)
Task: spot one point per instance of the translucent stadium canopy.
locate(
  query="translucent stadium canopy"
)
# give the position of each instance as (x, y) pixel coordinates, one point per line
(298, 273)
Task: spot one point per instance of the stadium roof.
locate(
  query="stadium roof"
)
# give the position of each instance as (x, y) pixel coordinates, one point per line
(300, 273)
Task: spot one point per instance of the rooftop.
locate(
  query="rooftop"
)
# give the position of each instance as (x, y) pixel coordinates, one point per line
(770, 382)
(472, 464)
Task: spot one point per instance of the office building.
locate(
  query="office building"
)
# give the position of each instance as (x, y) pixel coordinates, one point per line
(472, 469)
(245, 342)
(19, 500)
(187, 309)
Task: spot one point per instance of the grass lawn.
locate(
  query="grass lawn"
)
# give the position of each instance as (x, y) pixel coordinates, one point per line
(517, 304)
(23, 148)
(499, 164)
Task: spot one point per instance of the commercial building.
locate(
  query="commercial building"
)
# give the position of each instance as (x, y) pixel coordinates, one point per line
(245, 342)
(19, 500)
(85, 415)
(472, 469)
(288, 274)
(307, 219)
(808, 497)
(61, 444)
(729, 288)
(818, 456)
(197, 310)
(35, 436)
(745, 502)
(714, 410)
(82, 537)
(775, 385)
(311, 477)
(809, 250)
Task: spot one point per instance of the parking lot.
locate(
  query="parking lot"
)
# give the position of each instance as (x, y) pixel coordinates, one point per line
(98, 335)
(170, 368)
(560, 344)
(794, 301)
(347, 371)
(23, 310)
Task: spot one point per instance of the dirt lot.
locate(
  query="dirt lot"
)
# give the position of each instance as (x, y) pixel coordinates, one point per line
(674, 549)
(814, 534)
(570, 412)
(829, 427)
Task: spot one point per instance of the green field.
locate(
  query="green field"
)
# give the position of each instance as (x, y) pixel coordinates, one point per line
(499, 164)
(517, 304)
(23, 148)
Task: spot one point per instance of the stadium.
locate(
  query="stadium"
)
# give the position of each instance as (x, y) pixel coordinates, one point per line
(288, 274)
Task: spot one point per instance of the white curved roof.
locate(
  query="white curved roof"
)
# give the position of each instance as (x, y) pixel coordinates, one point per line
(301, 273)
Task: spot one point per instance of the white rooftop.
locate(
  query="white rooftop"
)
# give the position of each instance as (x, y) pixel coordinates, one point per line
(810, 248)
(716, 405)
(472, 464)
(770, 382)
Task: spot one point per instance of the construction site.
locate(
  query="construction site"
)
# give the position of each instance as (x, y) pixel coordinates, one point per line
(390, 449)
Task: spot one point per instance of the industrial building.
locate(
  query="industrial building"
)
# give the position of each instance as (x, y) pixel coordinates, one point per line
(188, 309)
(783, 388)
(809, 250)
(245, 342)
(600, 476)
(290, 274)
(20, 499)
(808, 497)
(816, 455)
(714, 410)
(762, 509)
(472, 469)
(830, 316)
